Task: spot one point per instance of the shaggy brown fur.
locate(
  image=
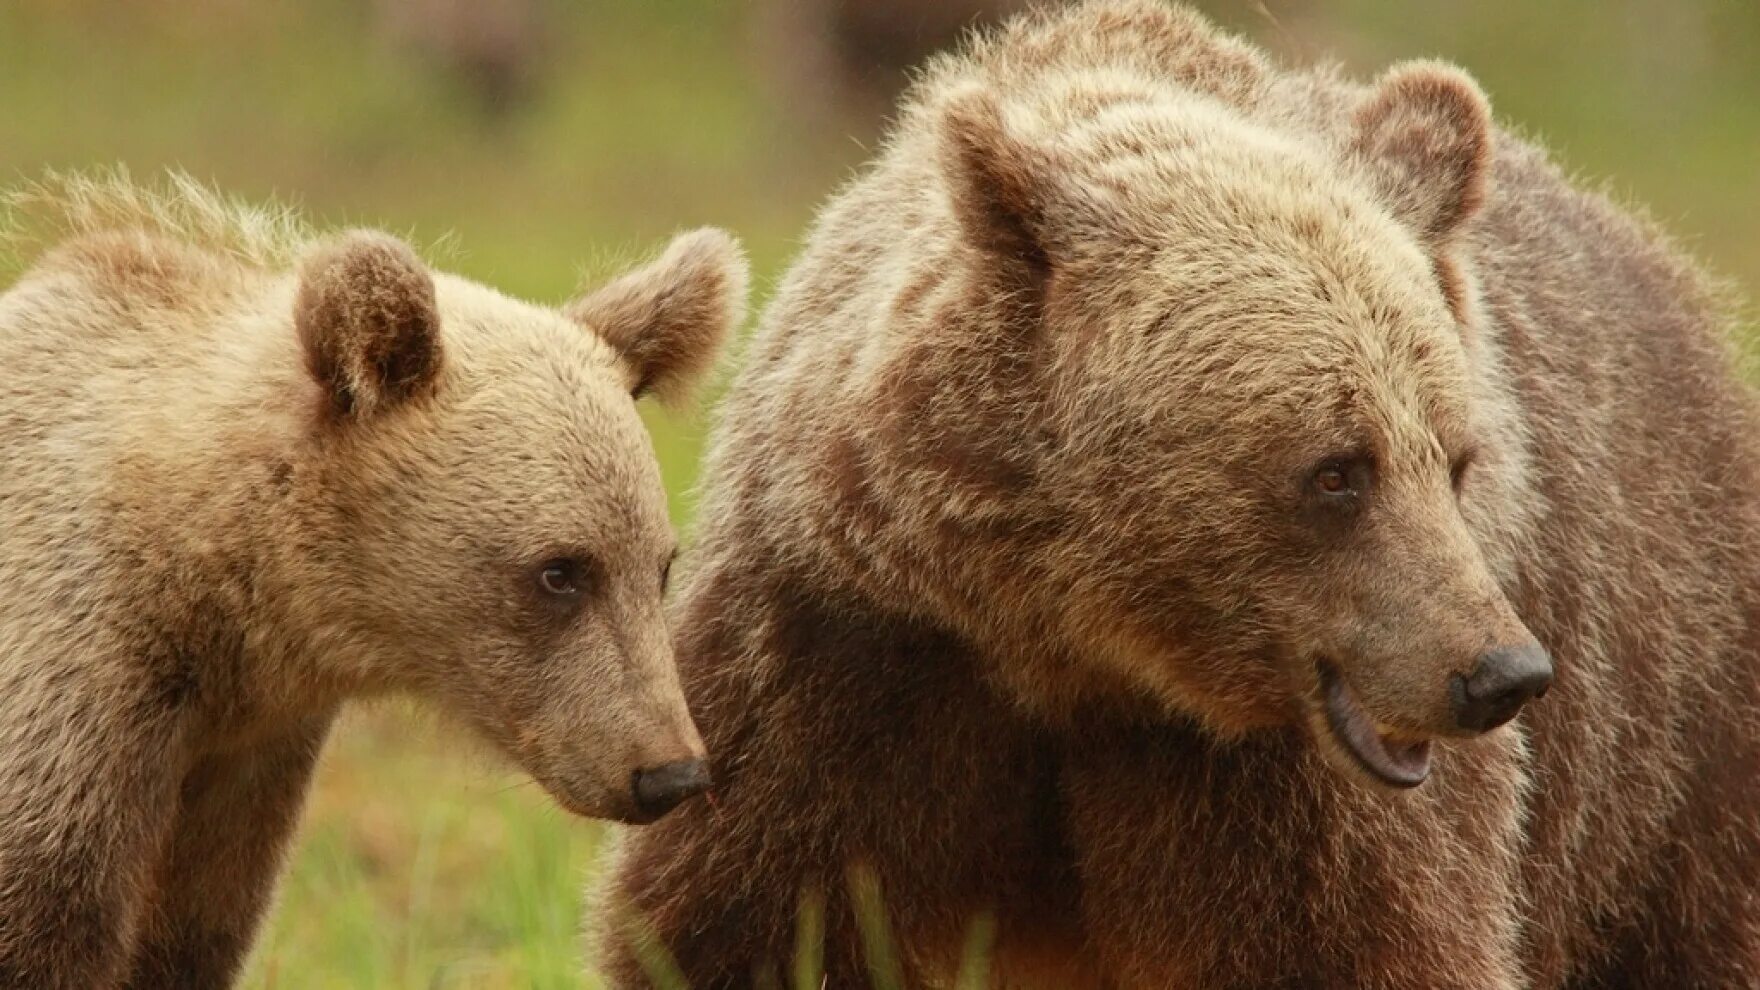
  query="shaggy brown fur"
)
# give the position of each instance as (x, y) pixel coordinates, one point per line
(235, 496)
(1138, 397)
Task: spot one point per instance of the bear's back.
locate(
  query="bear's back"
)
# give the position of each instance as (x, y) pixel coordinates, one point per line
(120, 322)
(131, 360)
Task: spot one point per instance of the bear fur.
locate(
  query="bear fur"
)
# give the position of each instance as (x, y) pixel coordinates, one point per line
(1141, 400)
(253, 472)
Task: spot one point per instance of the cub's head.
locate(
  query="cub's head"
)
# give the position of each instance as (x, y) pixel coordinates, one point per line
(1256, 407)
(492, 528)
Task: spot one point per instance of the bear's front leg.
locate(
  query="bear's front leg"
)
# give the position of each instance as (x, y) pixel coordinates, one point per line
(89, 765)
(235, 815)
(1253, 864)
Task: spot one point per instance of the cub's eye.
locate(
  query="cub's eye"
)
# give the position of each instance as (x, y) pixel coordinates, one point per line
(562, 578)
(666, 572)
(1340, 478)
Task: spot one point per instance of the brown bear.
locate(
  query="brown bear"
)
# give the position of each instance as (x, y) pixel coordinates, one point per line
(252, 472)
(1147, 502)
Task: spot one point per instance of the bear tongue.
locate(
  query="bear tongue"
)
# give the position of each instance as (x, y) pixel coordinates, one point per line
(1394, 764)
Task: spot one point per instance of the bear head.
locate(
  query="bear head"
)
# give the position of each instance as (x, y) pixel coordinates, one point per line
(1203, 415)
(489, 525)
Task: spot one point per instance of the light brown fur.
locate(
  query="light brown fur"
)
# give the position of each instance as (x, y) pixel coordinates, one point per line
(1013, 583)
(237, 495)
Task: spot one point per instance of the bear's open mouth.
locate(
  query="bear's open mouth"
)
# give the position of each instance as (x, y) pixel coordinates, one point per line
(1396, 764)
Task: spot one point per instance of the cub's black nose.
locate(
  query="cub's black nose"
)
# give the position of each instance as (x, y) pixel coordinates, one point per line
(660, 789)
(1504, 680)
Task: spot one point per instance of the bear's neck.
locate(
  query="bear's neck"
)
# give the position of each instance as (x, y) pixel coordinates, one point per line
(1024, 664)
(223, 505)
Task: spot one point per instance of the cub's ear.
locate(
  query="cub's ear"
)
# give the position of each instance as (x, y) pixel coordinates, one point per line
(1426, 136)
(669, 317)
(997, 184)
(367, 320)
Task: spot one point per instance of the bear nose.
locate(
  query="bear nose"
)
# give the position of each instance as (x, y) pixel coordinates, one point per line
(660, 789)
(1504, 680)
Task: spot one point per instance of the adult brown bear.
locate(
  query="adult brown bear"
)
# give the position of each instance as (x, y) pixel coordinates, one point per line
(1148, 499)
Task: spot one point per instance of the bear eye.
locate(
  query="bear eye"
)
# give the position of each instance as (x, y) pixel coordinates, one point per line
(564, 577)
(1340, 477)
(666, 571)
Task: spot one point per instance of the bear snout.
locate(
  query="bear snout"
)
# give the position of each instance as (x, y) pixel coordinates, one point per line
(659, 789)
(1503, 680)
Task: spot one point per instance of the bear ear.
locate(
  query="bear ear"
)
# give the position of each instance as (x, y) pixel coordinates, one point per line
(1426, 135)
(368, 323)
(998, 186)
(669, 317)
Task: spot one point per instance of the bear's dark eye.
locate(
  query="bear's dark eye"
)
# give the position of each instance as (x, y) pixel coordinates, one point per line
(666, 571)
(564, 577)
(1338, 482)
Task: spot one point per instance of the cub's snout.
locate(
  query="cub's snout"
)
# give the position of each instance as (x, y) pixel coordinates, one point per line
(659, 789)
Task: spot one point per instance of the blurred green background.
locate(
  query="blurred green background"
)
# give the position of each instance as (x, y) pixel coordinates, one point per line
(545, 141)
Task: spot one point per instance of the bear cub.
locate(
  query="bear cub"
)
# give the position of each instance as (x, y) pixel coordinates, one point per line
(251, 473)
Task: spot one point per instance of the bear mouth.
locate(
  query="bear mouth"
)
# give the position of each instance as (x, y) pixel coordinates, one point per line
(1392, 762)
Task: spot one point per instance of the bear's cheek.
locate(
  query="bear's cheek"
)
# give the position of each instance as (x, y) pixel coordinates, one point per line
(1225, 620)
(1219, 662)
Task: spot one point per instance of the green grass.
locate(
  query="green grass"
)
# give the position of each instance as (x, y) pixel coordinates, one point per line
(419, 864)
(422, 866)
